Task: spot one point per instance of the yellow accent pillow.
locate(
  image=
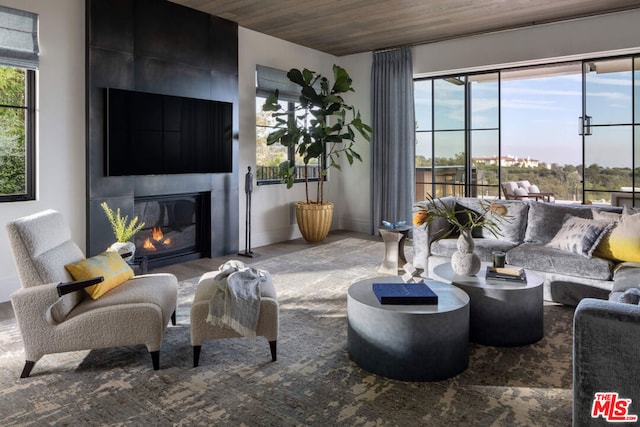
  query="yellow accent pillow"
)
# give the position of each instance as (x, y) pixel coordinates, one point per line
(622, 243)
(108, 264)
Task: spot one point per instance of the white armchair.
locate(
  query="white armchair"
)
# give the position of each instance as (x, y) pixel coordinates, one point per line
(136, 312)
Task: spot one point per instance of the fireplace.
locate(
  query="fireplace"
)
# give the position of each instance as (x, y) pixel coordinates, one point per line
(176, 227)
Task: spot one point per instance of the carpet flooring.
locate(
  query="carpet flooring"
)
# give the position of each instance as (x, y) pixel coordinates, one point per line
(313, 382)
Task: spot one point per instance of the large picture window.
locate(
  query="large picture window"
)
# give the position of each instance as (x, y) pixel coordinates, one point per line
(570, 129)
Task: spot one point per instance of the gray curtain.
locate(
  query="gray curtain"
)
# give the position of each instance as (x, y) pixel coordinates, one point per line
(393, 141)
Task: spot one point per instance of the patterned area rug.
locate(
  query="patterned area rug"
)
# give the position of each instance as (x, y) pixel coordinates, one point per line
(312, 383)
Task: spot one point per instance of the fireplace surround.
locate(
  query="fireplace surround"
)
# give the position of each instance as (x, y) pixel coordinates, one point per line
(176, 227)
(160, 47)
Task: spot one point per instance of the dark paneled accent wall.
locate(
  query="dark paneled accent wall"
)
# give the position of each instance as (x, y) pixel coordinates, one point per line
(161, 47)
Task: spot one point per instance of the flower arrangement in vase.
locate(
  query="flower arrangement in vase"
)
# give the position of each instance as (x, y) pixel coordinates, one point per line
(123, 230)
(463, 261)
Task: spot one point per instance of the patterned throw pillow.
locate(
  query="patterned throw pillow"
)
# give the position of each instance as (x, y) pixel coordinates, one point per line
(512, 226)
(622, 243)
(109, 265)
(579, 235)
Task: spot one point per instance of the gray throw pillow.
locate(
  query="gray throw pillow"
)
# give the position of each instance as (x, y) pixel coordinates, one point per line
(545, 220)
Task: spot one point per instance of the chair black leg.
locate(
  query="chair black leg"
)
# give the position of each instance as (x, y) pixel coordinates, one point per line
(26, 371)
(173, 318)
(155, 359)
(272, 345)
(196, 355)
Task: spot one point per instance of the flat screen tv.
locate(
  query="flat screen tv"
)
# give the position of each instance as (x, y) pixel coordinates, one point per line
(153, 134)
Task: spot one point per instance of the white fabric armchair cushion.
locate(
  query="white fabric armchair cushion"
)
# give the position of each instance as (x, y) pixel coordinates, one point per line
(520, 192)
(524, 184)
(511, 188)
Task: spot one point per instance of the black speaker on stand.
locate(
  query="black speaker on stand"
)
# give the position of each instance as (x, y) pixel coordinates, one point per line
(248, 189)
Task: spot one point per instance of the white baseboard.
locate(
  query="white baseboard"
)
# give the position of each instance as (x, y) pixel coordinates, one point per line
(361, 225)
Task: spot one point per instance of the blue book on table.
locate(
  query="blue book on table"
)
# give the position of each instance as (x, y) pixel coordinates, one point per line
(404, 293)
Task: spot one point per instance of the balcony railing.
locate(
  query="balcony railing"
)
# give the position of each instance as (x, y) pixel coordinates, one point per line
(449, 181)
(270, 173)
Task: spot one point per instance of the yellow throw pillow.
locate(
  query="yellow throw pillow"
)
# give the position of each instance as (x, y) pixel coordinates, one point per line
(108, 264)
(622, 243)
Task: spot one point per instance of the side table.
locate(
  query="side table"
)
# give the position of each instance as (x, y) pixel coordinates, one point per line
(503, 313)
(394, 249)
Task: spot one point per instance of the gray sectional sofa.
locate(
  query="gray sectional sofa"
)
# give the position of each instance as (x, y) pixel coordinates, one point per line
(606, 321)
(569, 277)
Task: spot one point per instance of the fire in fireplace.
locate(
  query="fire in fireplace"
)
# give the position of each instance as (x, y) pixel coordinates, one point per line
(174, 226)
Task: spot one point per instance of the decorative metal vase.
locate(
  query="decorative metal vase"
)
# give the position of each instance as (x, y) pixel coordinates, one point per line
(463, 261)
(123, 248)
(314, 220)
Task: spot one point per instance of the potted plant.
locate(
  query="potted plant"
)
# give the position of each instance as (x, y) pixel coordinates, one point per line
(463, 261)
(322, 127)
(123, 230)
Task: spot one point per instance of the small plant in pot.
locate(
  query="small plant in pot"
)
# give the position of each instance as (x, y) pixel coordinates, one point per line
(463, 221)
(321, 128)
(123, 230)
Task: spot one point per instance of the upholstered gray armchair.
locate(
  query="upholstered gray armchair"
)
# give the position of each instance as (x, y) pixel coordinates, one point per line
(136, 312)
(606, 352)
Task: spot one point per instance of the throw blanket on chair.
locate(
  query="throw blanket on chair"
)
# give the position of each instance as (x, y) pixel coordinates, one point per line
(235, 302)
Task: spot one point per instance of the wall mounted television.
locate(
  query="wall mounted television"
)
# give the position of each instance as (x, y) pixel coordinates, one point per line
(154, 134)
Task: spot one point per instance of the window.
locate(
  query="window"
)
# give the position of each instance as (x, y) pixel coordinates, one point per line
(17, 159)
(269, 157)
(18, 62)
(569, 128)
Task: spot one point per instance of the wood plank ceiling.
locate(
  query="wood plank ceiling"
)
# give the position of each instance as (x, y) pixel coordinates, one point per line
(343, 27)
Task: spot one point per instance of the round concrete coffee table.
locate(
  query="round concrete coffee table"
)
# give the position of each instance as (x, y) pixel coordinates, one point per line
(408, 342)
(503, 313)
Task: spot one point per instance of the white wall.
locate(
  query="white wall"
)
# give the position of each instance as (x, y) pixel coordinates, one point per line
(271, 213)
(352, 193)
(61, 126)
(577, 39)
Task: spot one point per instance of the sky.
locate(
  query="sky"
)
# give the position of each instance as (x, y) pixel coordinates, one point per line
(540, 118)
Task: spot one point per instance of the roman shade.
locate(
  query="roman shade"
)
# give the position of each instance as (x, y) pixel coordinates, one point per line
(268, 80)
(18, 38)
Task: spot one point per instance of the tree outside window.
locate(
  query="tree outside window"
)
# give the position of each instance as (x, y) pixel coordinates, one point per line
(16, 134)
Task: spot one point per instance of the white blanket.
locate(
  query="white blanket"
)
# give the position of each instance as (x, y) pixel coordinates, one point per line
(235, 302)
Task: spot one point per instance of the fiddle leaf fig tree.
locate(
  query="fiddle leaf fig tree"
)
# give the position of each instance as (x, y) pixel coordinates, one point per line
(321, 123)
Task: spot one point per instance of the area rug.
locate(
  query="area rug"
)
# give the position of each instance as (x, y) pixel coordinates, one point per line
(312, 383)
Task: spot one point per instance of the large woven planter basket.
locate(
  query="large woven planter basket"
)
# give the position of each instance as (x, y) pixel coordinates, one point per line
(314, 220)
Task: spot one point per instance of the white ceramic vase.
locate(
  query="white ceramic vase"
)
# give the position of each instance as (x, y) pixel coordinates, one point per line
(123, 248)
(463, 261)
